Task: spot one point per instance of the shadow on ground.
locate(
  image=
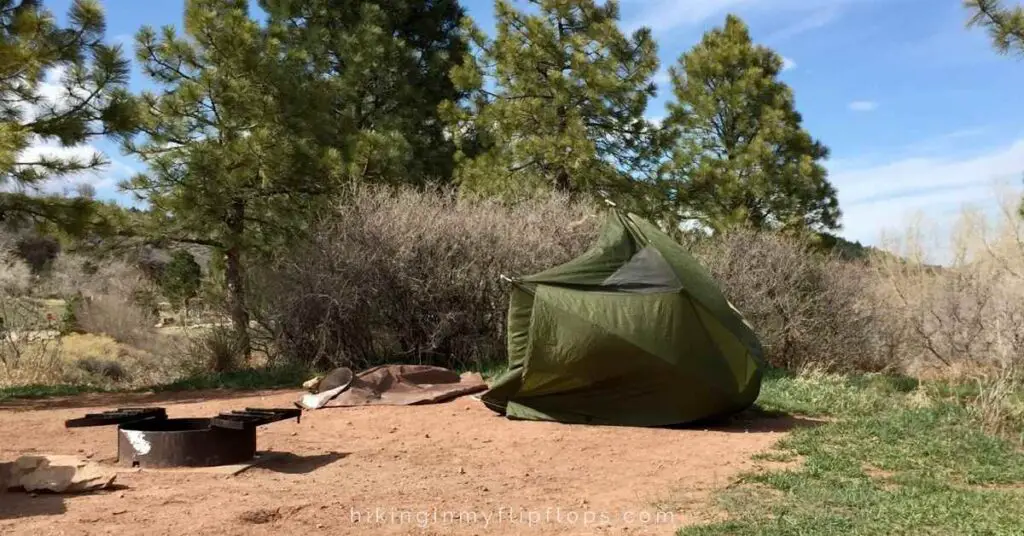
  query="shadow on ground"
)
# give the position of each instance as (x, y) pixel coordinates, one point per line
(755, 420)
(294, 464)
(18, 504)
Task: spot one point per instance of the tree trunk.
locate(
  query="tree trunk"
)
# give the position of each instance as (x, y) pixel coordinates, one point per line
(563, 182)
(235, 279)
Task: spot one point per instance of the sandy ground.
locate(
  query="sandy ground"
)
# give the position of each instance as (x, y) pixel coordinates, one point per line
(452, 468)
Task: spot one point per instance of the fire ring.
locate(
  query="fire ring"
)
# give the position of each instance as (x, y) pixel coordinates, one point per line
(147, 438)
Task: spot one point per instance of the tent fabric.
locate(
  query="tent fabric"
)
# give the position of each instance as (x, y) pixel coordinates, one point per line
(632, 332)
(396, 385)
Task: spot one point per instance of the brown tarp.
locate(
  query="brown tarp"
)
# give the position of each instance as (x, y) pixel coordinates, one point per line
(397, 385)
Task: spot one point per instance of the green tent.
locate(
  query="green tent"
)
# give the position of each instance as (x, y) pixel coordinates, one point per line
(633, 332)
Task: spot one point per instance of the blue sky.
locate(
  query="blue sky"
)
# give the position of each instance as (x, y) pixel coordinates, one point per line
(921, 114)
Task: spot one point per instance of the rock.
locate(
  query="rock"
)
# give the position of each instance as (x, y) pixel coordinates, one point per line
(59, 474)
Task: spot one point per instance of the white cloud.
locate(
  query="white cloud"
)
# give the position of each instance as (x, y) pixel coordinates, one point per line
(661, 15)
(41, 149)
(53, 95)
(663, 79)
(881, 197)
(806, 15)
(944, 143)
(788, 64)
(106, 177)
(863, 106)
(818, 18)
(51, 89)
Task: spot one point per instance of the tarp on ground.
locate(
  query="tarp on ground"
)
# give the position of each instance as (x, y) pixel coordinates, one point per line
(397, 385)
(633, 332)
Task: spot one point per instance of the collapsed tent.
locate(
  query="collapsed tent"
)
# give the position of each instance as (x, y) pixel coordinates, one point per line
(633, 332)
(391, 385)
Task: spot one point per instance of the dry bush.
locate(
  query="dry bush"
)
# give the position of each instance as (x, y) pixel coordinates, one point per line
(117, 316)
(965, 319)
(968, 314)
(105, 335)
(214, 350)
(112, 298)
(810, 310)
(29, 342)
(412, 277)
(100, 360)
(29, 346)
(15, 275)
(89, 359)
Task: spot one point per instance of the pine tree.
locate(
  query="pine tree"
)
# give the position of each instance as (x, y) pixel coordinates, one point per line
(225, 169)
(88, 100)
(741, 155)
(181, 279)
(383, 66)
(558, 101)
(1005, 24)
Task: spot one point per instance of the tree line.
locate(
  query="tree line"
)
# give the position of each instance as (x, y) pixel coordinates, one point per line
(257, 122)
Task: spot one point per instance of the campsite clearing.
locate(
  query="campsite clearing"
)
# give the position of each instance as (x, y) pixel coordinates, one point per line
(454, 468)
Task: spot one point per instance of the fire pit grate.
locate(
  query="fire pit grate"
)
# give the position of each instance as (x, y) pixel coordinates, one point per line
(238, 420)
(147, 438)
(117, 416)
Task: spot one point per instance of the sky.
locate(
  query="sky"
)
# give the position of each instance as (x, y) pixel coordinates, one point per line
(921, 115)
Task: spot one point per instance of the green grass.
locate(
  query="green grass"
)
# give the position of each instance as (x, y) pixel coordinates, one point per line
(242, 380)
(46, 391)
(895, 457)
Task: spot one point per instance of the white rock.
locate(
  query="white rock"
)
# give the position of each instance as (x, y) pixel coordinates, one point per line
(59, 474)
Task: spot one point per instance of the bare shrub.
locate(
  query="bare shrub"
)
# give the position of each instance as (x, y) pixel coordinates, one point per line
(411, 277)
(29, 347)
(116, 316)
(999, 406)
(967, 315)
(965, 319)
(214, 350)
(104, 368)
(810, 310)
(15, 275)
(112, 298)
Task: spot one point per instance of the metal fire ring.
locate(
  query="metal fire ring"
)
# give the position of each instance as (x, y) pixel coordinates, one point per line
(147, 438)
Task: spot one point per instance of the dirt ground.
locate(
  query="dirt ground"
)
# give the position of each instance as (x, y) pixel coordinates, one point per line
(453, 468)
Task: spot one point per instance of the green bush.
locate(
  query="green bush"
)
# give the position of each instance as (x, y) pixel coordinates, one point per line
(69, 317)
(181, 278)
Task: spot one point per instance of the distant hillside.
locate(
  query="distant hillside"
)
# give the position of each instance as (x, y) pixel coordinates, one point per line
(855, 251)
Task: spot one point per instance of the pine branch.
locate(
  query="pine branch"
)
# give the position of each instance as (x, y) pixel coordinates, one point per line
(1005, 25)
